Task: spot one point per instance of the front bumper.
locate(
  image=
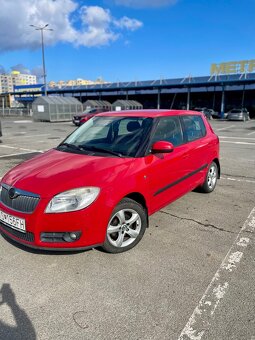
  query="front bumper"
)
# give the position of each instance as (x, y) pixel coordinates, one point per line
(76, 121)
(17, 240)
(88, 222)
(236, 117)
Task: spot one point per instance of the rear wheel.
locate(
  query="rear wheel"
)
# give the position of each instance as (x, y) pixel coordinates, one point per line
(126, 226)
(211, 178)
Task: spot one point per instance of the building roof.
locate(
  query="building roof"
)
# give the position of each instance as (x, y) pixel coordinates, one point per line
(123, 102)
(57, 100)
(97, 103)
(235, 81)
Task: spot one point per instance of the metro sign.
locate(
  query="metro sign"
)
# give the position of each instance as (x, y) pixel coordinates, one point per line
(243, 66)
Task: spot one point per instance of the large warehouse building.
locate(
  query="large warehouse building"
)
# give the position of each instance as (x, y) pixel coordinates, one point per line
(230, 85)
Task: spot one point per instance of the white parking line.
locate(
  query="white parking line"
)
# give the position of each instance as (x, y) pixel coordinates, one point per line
(21, 149)
(231, 142)
(237, 137)
(8, 136)
(199, 322)
(22, 121)
(19, 154)
(225, 128)
(251, 133)
(237, 179)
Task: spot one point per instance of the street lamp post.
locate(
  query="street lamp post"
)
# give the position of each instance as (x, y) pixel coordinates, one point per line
(43, 28)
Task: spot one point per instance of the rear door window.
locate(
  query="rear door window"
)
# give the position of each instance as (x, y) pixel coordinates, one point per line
(194, 127)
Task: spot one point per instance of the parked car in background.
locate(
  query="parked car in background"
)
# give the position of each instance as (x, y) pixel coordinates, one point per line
(205, 111)
(238, 114)
(100, 185)
(0, 129)
(81, 118)
(223, 115)
(214, 114)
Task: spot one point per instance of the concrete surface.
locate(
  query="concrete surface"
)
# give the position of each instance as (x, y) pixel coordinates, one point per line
(191, 276)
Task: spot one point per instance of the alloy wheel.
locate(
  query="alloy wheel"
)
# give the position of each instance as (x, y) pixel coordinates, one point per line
(212, 177)
(124, 228)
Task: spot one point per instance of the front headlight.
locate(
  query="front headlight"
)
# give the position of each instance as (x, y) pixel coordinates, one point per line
(72, 200)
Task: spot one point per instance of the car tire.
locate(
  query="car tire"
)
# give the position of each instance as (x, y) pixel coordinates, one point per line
(126, 226)
(211, 178)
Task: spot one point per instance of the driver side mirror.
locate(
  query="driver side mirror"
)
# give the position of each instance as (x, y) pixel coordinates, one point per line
(162, 147)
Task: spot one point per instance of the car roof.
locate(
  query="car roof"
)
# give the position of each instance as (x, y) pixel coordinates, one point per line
(149, 113)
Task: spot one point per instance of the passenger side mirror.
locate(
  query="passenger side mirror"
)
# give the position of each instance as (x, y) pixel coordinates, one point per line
(162, 147)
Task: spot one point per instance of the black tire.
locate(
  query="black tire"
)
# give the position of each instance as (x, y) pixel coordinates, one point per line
(122, 235)
(211, 178)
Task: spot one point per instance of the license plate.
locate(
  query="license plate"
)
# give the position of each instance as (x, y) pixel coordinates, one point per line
(13, 221)
(76, 121)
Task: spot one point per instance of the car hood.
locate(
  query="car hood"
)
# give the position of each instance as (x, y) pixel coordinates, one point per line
(55, 171)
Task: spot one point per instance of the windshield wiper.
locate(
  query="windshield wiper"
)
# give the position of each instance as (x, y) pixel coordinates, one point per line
(96, 148)
(71, 146)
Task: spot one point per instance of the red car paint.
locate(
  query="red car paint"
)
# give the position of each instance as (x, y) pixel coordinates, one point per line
(158, 178)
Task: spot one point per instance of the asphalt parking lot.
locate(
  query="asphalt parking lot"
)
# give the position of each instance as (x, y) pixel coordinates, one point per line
(191, 277)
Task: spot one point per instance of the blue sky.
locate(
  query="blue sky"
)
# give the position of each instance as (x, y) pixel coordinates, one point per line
(126, 40)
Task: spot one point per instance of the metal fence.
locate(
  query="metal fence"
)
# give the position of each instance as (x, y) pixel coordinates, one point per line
(15, 112)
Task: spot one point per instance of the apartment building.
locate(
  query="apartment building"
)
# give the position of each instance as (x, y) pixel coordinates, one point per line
(8, 81)
(76, 82)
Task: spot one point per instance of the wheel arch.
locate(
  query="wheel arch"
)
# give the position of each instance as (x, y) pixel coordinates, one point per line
(217, 162)
(139, 198)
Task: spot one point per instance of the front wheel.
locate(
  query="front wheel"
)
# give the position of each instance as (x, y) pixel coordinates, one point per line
(126, 226)
(211, 178)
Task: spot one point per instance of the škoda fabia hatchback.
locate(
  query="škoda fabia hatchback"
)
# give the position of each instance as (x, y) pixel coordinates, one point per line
(98, 187)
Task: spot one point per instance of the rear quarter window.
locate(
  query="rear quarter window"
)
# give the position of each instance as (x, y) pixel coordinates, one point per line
(194, 127)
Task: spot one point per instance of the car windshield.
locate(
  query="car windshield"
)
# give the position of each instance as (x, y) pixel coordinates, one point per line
(119, 136)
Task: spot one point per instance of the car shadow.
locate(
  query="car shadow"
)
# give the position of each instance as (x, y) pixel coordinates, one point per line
(252, 128)
(23, 328)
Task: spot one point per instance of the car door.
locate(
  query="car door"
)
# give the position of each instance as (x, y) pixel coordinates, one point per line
(166, 172)
(198, 145)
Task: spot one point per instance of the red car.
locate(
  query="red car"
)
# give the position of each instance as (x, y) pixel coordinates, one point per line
(99, 186)
(81, 118)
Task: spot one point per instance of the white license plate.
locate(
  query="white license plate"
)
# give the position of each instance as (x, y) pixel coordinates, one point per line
(76, 121)
(13, 221)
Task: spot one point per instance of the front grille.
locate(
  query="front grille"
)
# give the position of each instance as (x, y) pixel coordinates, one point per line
(29, 237)
(23, 201)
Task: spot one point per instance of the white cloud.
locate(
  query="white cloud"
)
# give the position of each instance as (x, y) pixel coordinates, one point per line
(145, 3)
(21, 68)
(71, 23)
(96, 29)
(129, 24)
